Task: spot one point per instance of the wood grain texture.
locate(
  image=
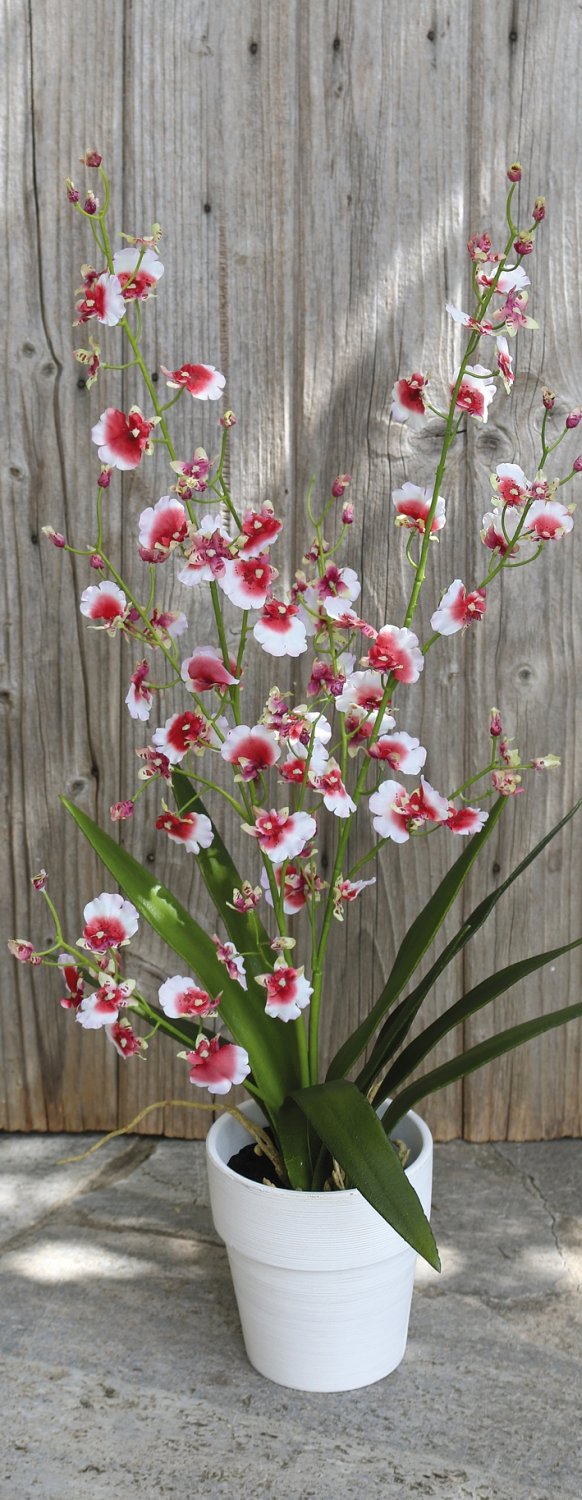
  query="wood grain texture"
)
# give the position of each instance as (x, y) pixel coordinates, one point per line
(316, 169)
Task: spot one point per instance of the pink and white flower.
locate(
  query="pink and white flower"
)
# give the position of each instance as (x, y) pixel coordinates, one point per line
(549, 520)
(282, 835)
(202, 381)
(139, 699)
(504, 363)
(170, 622)
(205, 670)
(217, 1067)
(346, 891)
(427, 806)
(161, 528)
(337, 588)
(180, 996)
(412, 505)
(476, 391)
(192, 830)
(124, 1039)
(247, 581)
(260, 528)
(102, 1008)
(494, 534)
(253, 751)
(335, 795)
(74, 981)
(23, 951)
(512, 278)
(510, 483)
(233, 962)
(123, 438)
(105, 604)
(389, 804)
(279, 631)
(466, 820)
(183, 732)
(137, 283)
(110, 922)
(210, 548)
(102, 300)
(359, 726)
(408, 401)
(364, 690)
(458, 608)
(288, 991)
(458, 316)
(401, 752)
(192, 475)
(397, 651)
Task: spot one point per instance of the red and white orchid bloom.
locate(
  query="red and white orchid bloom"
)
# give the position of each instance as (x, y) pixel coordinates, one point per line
(282, 835)
(302, 729)
(465, 319)
(458, 608)
(297, 890)
(180, 996)
(102, 1008)
(233, 962)
(359, 726)
(504, 363)
(192, 475)
(510, 483)
(513, 316)
(123, 438)
(280, 631)
(389, 804)
(512, 278)
(124, 1039)
(104, 604)
(192, 830)
(156, 764)
(401, 752)
(162, 527)
(331, 787)
(209, 549)
(363, 690)
(217, 1067)
(137, 278)
(183, 732)
(253, 751)
(247, 898)
(337, 588)
(494, 535)
(102, 300)
(548, 520)
(466, 820)
(260, 528)
(427, 806)
(476, 391)
(288, 991)
(140, 697)
(397, 651)
(296, 765)
(170, 622)
(412, 505)
(408, 401)
(346, 891)
(205, 669)
(204, 382)
(110, 922)
(246, 581)
(74, 981)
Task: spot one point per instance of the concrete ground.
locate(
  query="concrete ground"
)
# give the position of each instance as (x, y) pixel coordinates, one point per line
(125, 1374)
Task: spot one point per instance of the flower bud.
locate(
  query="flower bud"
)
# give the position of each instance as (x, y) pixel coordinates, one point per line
(104, 479)
(96, 561)
(91, 204)
(282, 944)
(21, 949)
(523, 245)
(539, 210)
(340, 484)
(577, 464)
(73, 194)
(56, 537)
(40, 881)
(549, 399)
(227, 419)
(546, 762)
(574, 417)
(514, 172)
(348, 513)
(121, 810)
(495, 725)
(91, 159)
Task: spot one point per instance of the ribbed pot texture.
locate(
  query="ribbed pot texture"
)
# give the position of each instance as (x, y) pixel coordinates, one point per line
(323, 1284)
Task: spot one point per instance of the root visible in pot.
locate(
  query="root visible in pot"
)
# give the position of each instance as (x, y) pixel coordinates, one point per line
(251, 1162)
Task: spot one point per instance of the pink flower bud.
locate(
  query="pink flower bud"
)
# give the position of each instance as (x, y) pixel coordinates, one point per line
(120, 811)
(577, 464)
(495, 725)
(348, 513)
(104, 479)
(91, 159)
(72, 193)
(21, 949)
(574, 417)
(549, 399)
(539, 210)
(340, 484)
(56, 537)
(227, 419)
(546, 762)
(91, 204)
(40, 881)
(96, 561)
(523, 245)
(514, 172)
(479, 247)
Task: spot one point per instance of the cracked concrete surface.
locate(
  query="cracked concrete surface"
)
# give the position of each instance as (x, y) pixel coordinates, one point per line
(125, 1376)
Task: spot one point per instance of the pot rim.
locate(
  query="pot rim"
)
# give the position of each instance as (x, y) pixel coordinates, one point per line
(252, 1107)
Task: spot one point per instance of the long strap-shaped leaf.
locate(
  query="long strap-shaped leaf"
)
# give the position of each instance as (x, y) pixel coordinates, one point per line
(482, 994)
(273, 1061)
(414, 946)
(395, 1029)
(351, 1130)
(476, 1057)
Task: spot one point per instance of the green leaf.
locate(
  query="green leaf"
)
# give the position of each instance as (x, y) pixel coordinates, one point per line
(351, 1130)
(272, 1058)
(476, 1057)
(482, 994)
(414, 946)
(395, 1029)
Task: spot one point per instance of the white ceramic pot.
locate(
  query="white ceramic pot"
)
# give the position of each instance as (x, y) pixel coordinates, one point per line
(323, 1284)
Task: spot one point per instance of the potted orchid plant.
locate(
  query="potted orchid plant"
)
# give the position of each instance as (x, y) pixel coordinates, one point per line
(320, 1186)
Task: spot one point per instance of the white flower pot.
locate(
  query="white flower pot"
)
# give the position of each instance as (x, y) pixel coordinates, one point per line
(323, 1284)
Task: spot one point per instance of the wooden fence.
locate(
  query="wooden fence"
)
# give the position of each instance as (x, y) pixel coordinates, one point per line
(316, 167)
